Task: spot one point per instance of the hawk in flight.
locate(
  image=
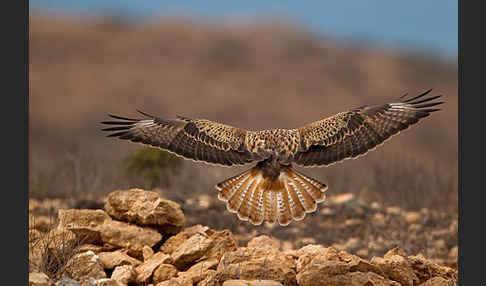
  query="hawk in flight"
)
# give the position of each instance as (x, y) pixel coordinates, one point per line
(273, 190)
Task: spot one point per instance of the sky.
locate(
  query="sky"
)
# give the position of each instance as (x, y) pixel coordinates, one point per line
(420, 25)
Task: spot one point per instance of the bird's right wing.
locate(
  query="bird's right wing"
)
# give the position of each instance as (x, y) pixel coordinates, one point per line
(199, 140)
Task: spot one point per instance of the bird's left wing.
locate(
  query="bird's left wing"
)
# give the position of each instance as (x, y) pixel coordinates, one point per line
(196, 139)
(353, 133)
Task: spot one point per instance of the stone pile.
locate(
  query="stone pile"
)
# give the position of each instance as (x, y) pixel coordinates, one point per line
(141, 239)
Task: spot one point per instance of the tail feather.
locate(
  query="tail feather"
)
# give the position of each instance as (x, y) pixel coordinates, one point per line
(257, 198)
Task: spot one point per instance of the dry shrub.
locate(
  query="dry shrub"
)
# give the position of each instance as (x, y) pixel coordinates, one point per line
(50, 251)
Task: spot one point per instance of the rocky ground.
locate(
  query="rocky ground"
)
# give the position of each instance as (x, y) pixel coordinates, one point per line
(139, 238)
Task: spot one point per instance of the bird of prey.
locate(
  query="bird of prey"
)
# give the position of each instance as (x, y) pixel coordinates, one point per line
(273, 190)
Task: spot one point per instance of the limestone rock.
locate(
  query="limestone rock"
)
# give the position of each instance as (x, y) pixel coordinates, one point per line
(145, 208)
(264, 241)
(95, 248)
(164, 272)
(309, 252)
(191, 250)
(67, 282)
(85, 265)
(350, 278)
(438, 281)
(356, 263)
(222, 242)
(425, 269)
(173, 242)
(108, 282)
(257, 263)
(199, 271)
(85, 224)
(147, 252)
(397, 268)
(110, 260)
(39, 279)
(251, 283)
(124, 273)
(129, 236)
(96, 227)
(144, 271)
(412, 217)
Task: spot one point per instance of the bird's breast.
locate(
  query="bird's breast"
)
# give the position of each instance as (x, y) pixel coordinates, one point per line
(277, 143)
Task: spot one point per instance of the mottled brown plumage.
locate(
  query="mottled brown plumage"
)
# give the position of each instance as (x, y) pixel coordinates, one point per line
(273, 190)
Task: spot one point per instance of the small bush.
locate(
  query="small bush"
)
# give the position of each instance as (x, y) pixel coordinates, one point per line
(155, 167)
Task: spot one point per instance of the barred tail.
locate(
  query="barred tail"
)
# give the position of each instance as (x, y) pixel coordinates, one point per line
(256, 198)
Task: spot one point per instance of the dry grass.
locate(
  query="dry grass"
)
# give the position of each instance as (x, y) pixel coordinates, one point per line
(50, 251)
(264, 75)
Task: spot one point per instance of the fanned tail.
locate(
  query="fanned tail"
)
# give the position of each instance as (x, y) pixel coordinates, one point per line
(256, 198)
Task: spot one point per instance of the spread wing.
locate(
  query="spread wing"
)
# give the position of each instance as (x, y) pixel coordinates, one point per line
(352, 133)
(199, 140)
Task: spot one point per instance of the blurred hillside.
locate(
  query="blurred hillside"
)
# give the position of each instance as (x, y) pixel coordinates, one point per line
(259, 76)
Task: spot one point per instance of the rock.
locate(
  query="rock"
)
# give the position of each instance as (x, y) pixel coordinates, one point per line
(210, 279)
(164, 272)
(438, 281)
(264, 241)
(199, 271)
(85, 265)
(256, 263)
(67, 282)
(425, 269)
(96, 227)
(108, 282)
(363, 252)
(145, 208)
(124, 273)
(85, 224)
(393, 210)
(412, 217)
(340, 199)
(173, 242)
(318, 269)
(396, 267)
(395, 251)
(191, 250)
(95, 248)
(350, 278)
(144, 271)
(147, 252)
(110, 260)
(353, 222)
(176, 281)
(305, 254)
(379, 219)
(251, 283)
(129, 236)
(222, 242)
(39, 279)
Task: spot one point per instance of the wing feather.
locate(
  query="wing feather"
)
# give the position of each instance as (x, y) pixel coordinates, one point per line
(199, 140)
(353, 133)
